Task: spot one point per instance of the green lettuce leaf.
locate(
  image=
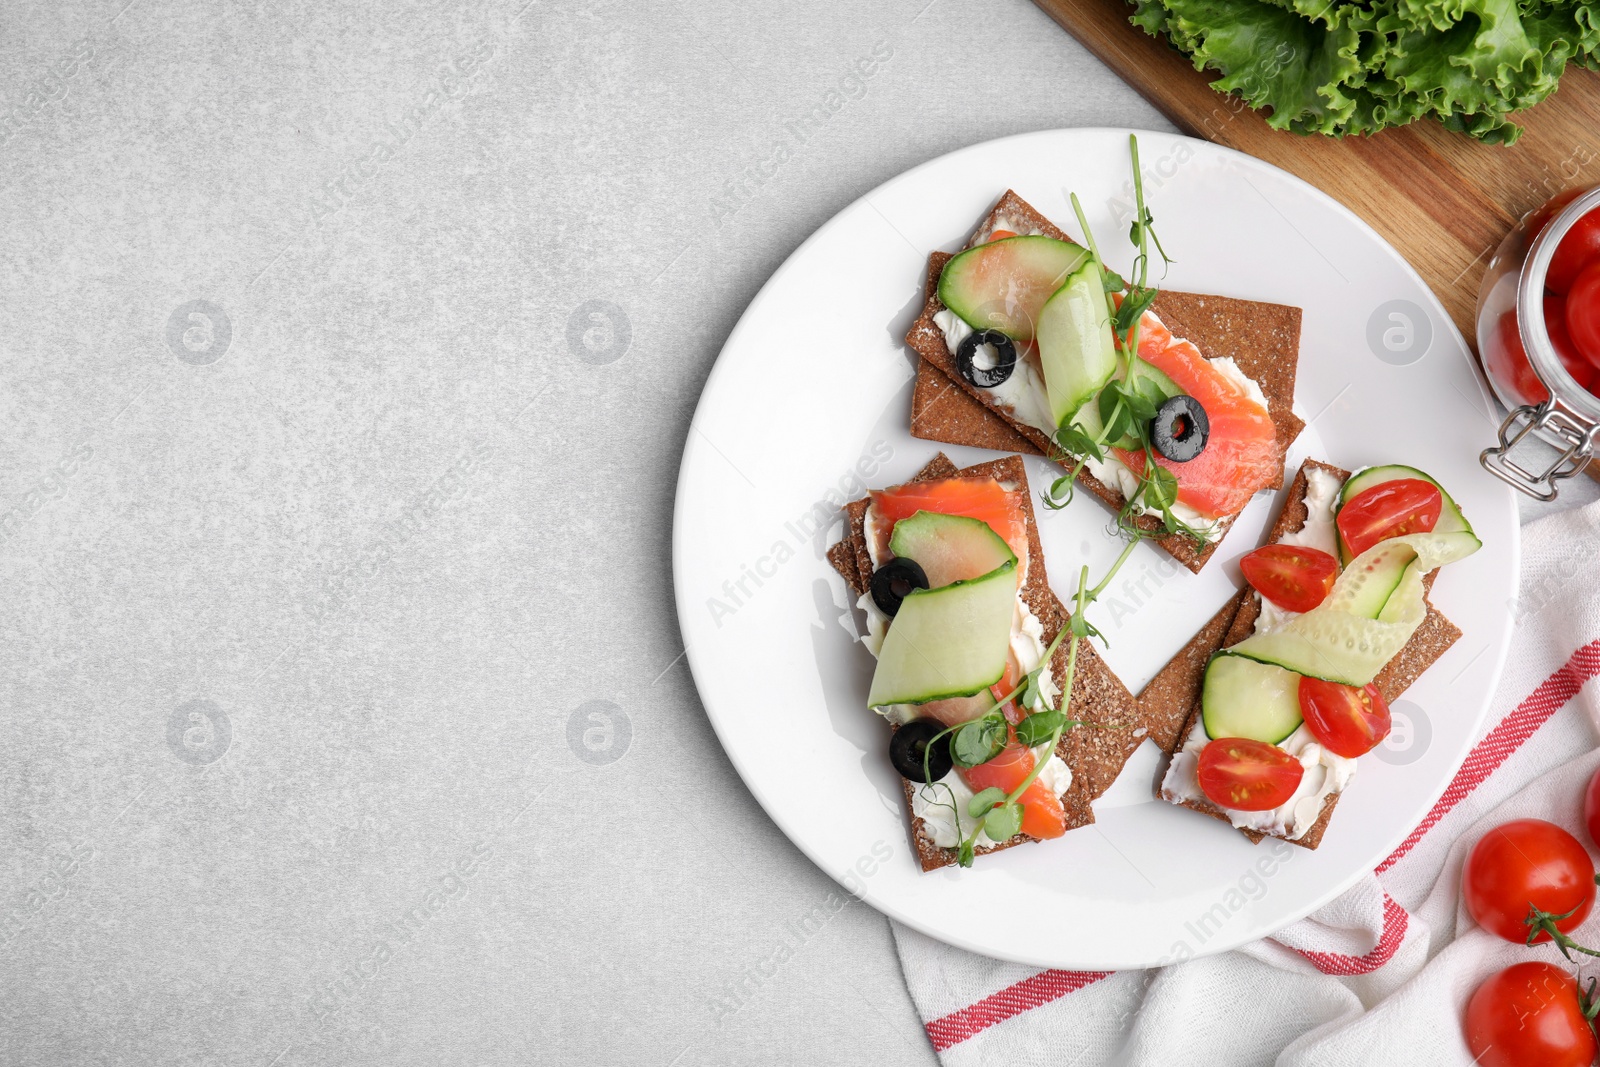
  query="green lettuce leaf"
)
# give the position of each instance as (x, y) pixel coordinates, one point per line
(1343, 67)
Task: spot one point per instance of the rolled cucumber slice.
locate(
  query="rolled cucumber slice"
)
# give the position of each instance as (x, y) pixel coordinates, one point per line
(1369, 616)
(1076, 349)
(1244, 698)
(1366, 585)
(947, 642)
(949, 548)
(1002, 285)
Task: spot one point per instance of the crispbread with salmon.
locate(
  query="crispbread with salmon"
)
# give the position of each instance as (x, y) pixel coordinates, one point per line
(1262, 338)
(1097, 696)
(1176, 689)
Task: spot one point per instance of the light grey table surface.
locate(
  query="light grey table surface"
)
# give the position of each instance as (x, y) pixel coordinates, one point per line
(347, 353)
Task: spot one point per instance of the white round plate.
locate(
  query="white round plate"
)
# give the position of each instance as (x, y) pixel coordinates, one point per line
(809, 405)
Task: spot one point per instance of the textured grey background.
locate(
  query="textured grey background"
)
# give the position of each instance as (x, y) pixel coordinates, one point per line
(348, 353)
(396, 531)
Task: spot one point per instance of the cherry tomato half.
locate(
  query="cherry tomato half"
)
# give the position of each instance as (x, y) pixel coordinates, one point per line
(1506, 361)
(1348, 720)
(1246, 775)
(1529, 1015)
(1583, 315)
(1523, 864)
(1391, 509)
(1579, 248)
(1293, 577)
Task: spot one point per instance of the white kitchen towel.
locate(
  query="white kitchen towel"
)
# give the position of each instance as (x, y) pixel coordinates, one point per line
(1380, 975)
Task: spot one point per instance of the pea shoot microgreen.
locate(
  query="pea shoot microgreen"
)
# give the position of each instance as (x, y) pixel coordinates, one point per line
(1127, 404)
(994, 812)
(979, 741)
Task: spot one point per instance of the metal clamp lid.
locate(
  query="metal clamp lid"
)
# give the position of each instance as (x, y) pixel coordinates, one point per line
(1576, 434)
(1570, 419)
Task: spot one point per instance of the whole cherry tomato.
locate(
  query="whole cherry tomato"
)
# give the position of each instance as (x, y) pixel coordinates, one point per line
(1556, 326)
(1507, 362)
(1586, 374)
(1578, 248)
(1523, 865)
(1529, 1015)
(1591, 808)
(1582, 319)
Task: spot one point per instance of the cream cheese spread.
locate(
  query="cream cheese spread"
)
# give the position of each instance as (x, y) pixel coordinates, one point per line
(1325, 773)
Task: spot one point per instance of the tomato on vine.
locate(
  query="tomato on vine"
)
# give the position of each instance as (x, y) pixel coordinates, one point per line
(1530, 881)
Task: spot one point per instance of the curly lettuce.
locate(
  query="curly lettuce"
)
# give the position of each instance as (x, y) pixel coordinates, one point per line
(1343, 67)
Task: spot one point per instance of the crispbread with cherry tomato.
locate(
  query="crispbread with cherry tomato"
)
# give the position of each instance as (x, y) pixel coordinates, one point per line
(1175, 689)
(1098, 696)
(1263, 339)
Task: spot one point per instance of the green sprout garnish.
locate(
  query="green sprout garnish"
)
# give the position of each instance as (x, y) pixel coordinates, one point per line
(1126, 405)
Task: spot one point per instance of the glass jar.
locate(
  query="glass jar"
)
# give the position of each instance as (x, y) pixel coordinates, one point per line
(1544, 396)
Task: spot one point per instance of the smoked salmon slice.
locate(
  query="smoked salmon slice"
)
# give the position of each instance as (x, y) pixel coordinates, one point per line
(1241, 456)
(979, 498)
(1042, 814)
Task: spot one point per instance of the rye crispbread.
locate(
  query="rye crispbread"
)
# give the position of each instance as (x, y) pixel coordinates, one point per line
(1263, 339)
(1098, 696)
(1430, 641)
(1169, 697)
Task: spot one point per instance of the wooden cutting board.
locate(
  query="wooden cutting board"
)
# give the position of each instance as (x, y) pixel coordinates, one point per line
(1442, 199)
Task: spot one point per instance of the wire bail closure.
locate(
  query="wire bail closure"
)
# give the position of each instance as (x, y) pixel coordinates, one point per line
(1577, 437)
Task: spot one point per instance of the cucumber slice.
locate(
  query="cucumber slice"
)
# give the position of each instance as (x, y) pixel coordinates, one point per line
(1076, 348)
(1088, 418)
(1169, 388)
(1353, 634)
(1003, 284)
(1450, 518)
(1243, 698)
(1409, 596)
(949, 548)
(1362, 590)
(947, 642)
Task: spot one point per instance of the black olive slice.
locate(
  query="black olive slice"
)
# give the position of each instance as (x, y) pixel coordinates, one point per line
(909, 744)
(894, 581)
(1005, 358)
(1180, 429)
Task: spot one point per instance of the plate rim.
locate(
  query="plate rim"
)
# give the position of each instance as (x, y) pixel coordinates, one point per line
(693, 448)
